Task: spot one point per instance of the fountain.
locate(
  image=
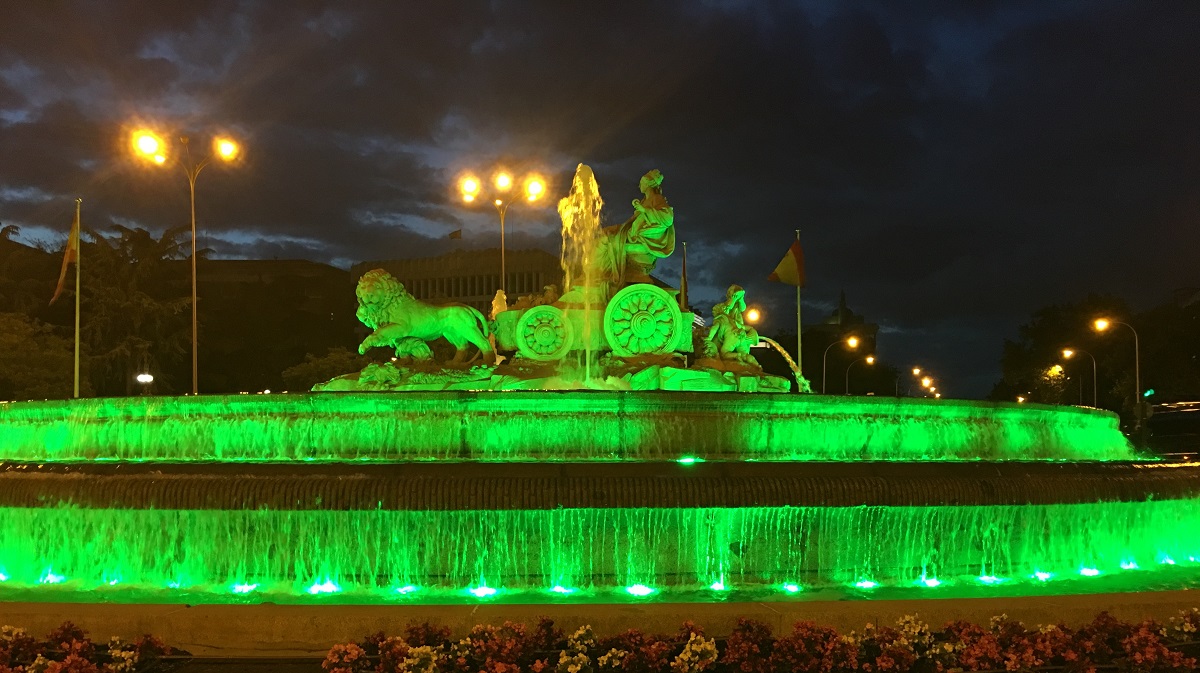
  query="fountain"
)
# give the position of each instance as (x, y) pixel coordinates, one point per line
(419, 482)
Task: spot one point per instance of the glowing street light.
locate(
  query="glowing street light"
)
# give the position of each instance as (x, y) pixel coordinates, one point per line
(150, 146)
(1069, 353)
(471, 189)
(753, 315)
(926, 382)
(916, 371)
(1101, 325)
(850, 343)
(1020, 399)
(870, 359)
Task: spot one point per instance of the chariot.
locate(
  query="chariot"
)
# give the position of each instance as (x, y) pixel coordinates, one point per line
(639, 320)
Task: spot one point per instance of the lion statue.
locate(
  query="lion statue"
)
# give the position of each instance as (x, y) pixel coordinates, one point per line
(397, 318)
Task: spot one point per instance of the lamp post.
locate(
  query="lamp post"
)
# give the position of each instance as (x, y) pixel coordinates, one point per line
(471, 189)
(850, 342)
(149, 145)
(870, 359)
(1068, 353)
(1102, 324)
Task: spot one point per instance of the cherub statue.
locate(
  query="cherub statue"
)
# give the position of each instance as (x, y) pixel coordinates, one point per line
(730, 338)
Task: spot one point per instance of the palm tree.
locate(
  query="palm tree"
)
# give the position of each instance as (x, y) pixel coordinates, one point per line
(134, 297)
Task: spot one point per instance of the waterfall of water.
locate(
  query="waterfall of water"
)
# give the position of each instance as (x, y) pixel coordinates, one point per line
(580, 213)
(375, 555)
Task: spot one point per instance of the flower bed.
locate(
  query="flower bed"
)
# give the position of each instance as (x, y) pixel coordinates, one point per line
(1001, 645)
(68, 649)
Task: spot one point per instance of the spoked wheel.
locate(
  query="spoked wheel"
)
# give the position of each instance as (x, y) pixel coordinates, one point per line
(544, 334)
(642, 320)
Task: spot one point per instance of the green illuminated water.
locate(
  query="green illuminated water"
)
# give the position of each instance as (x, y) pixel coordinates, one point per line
(550, 425)
(372, 556)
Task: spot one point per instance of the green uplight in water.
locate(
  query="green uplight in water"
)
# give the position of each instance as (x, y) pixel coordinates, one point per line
(639, 590)
(1042, 576)
(1129, 565)
(866, 584)
(1089, 572)
(1167, 560)
(791, 588)
(3, 577)
(482, 591)
(406, 589)
(326, 587)
(50, 578)
(991, 579)
(717, 586)
(560, 589)
(689, 460)
(931, 582)
(244, 588)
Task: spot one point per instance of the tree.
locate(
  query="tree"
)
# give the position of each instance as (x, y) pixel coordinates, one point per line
(35, 363)
(133, 309)
(1034, 368)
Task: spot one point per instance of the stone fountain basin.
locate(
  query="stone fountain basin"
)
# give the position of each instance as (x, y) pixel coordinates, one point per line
(568, 426)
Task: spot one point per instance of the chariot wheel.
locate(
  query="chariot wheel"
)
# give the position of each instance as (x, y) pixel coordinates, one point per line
(544, 334)
(642, 319)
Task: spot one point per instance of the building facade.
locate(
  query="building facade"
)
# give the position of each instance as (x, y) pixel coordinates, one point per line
(471, 277)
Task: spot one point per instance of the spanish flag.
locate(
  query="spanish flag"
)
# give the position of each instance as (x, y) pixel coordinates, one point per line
(791, 269)
(71, 255)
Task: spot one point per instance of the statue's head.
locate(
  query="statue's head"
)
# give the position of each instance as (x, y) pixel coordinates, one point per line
(378, 287)
(651, 180)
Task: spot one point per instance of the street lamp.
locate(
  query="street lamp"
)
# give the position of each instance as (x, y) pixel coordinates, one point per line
(850, 342)
(870, 359)
(753, 315)
(1068, 353)
(150, 146)
(1102, 324)
(471, 188)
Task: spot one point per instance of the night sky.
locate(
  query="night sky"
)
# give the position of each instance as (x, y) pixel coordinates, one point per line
(953, 166)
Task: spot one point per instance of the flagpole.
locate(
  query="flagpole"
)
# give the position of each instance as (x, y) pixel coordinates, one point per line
(683, 288)
(799, 350)
(78, 259)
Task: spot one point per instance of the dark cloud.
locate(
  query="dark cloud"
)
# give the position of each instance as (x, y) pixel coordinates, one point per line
(952, 165)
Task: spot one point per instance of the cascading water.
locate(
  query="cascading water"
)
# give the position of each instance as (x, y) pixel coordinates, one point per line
(580, 213)
(376, 555)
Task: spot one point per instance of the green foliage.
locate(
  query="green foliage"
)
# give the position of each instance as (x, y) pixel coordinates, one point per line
(316, 370)
(134, 309)
(35, 363)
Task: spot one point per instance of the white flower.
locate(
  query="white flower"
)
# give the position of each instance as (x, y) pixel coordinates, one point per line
(697, 654)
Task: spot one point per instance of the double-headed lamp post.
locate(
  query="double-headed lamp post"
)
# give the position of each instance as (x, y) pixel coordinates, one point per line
(1101, 325)
(150, 146)
(502, 197)
(870, 359)
(850, 343)
(1069, 353)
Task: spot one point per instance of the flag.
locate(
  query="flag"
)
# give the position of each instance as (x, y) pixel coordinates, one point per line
(457, 233)
(791, 269)
(71, 255)
(683, 281)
